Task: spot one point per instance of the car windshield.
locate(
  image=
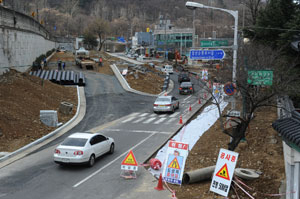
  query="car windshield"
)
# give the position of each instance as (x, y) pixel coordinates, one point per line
(162, 100)
(74, 142)
(186, 84)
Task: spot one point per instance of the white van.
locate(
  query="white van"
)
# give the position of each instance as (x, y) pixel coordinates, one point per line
(167, 69)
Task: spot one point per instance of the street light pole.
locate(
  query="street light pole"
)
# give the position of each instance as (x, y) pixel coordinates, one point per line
(235, 14)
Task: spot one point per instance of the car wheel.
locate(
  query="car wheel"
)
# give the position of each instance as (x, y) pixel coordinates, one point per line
(92, 160)
(173, 109)
(112, 148)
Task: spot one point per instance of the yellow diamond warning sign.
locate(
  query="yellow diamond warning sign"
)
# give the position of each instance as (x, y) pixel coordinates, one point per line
(223, 173)
(174, 164)
(130, 160)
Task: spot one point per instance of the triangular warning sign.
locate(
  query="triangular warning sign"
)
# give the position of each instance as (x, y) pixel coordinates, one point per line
(174, 164)
(223, 172)
(130, 160)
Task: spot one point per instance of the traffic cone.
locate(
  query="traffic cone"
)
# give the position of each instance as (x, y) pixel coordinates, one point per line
(165, 94)
(159, 184)
(199, 101)
(190, 109)
(180, 120)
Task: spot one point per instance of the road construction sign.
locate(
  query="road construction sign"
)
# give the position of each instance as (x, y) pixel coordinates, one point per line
(224, 170)
(129, 163)
(174, 164)
(177, 153)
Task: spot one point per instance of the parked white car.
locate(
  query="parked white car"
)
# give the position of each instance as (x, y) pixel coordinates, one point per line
(83, 148)
(167, 69)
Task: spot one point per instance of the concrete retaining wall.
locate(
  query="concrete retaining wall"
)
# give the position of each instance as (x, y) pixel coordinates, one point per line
(22, 40)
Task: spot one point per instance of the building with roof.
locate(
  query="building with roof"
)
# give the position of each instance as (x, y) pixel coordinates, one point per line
(169, 38)
(288, 126)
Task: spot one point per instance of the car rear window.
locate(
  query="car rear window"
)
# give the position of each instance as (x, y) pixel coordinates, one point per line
(186, 84)
(74, 142)
(163, 100)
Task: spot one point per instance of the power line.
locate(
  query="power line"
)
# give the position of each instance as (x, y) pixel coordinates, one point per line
(255, 27)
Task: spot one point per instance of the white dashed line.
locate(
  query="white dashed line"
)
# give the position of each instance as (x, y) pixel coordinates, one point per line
(160, 120)
(144, 114)
(139, 120)
(174, 114)
(128, 119)
(149, 120)
(171, 120)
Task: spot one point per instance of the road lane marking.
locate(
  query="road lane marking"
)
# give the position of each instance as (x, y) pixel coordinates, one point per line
(139, 120)
(137, 131)
(174, 114)
(149, 120)
(128, 119)
(2, 194)
(160, 120)
(162, 115)
(123, 154)
(187, 98)
(144, 114)
(171, 120)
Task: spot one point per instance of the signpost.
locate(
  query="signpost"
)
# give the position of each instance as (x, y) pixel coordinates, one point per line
(229, 88)
(260, 77)
(224, 170)
(129, 166)
(207, 54)
(177, 153)
(214, 43)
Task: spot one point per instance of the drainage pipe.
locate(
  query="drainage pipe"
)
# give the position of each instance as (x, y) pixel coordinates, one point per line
(198, 175)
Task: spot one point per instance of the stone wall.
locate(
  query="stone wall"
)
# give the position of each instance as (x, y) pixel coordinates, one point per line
(22, 40)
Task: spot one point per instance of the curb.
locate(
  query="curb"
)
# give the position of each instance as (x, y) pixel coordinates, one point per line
(126, 86)
(59, 131)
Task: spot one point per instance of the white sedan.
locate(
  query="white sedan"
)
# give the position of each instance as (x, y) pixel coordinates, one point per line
(83, 148)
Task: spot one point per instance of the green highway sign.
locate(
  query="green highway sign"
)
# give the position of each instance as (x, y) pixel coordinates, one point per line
(213, 43)
(260, 77)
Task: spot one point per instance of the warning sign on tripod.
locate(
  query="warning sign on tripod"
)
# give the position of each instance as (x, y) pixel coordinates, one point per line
(129, 163)
(224, 170)
(174, 167)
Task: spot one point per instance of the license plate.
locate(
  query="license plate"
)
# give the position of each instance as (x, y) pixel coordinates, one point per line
(161, 105)
(185, 91)
(65, 160)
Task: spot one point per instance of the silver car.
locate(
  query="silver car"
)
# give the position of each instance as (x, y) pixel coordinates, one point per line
(83, 148)
(165, 104)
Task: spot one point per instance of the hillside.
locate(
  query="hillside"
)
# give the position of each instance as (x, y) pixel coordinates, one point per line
(129, 16)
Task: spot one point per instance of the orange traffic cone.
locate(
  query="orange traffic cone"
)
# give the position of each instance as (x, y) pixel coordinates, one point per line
(190, 109)
(180, 120)
(159, 184)
(199, 101)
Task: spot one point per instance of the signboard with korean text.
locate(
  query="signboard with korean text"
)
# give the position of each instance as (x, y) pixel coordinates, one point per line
(204, 75)
(224, 170)
(175, 161)
(207, 54)
(214, 43)
(129, 163)
(260, 77)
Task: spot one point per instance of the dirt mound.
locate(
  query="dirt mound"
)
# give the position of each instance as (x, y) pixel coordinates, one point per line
(21, 98)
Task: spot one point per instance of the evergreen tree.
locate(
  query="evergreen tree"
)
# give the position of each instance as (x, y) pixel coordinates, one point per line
(272, 21)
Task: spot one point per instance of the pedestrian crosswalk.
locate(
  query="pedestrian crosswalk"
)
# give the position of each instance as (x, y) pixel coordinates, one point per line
(151, 118)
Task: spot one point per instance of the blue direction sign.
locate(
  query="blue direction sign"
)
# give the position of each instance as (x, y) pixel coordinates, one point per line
(207, 54)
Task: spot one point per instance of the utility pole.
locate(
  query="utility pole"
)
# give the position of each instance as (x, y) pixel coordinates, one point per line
(165, 22)
(194, 28)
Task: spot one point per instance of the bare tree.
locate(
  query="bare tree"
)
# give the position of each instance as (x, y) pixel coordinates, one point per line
(101, 28)
(250, 88)
(253, 6)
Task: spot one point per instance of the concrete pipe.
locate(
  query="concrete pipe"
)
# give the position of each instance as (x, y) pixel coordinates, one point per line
(198, 175)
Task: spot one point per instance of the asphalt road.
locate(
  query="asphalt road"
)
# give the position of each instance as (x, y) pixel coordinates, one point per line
(137, 128)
